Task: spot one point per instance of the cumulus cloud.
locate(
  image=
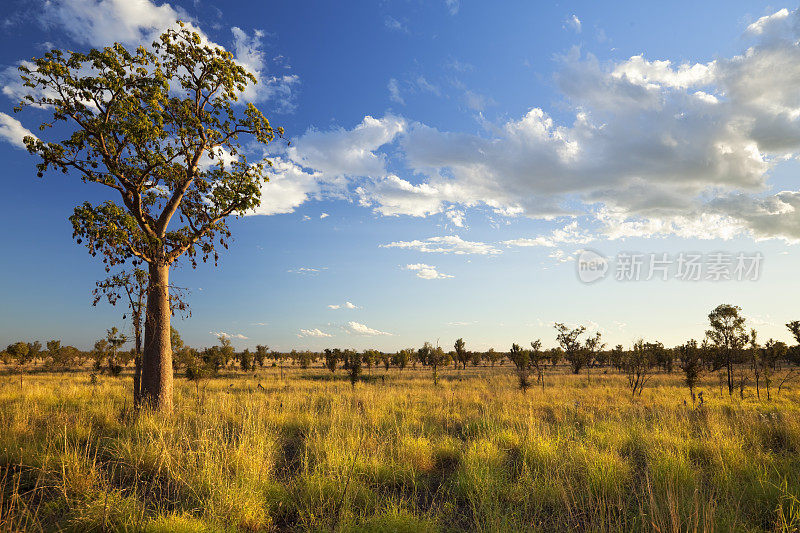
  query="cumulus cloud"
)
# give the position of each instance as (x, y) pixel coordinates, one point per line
(221, 334)
(289, 186)
(654, 148)
(313, 333)
(426, 271)
(339, 153)
(448, 244)
(12, 131)
(100, 23)
(357, 328)
(346, 305)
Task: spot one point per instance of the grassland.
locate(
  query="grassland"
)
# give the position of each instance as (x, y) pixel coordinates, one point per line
(308, 453)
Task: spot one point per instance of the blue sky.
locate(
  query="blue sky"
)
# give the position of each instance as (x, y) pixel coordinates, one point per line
(448, 161)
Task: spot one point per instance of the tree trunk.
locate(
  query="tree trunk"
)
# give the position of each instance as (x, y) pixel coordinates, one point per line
(156, 380)
(729, 368)
(137, 360)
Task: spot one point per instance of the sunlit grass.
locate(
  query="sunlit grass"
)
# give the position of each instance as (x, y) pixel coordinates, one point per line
(396, 454)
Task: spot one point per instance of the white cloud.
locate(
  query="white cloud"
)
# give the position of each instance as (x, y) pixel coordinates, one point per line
(393, 24)
(453, 6)
(289, 186)
(760, 26)
(307, 270)
(12, 131)
(573, 23)
(280, 89)
(313, 333)
(339, 153)
(448, 244)
(394, 91)
(221, 334)
(427, 271)
(569, 234)
(346, 305)
(99, 23)
(356, 328)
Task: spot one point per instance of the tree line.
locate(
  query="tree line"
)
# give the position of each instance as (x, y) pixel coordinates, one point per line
(728, 349)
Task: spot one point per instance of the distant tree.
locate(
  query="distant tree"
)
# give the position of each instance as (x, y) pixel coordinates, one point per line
(555, 355)
(522, 365)
(115, 340)
(475, 358)
(175, 341)
(616, 356)
(773, 352)
(246, 360)
(728, 334)
(592, 346)
(353, 366)
(493, 357)
(34, 351)
(331, 359)
(432, 357)
(260, 355)
(142, 121)
(54, 352)
(794, 328)
(19, 351)
(574, 352)
(402, 358)
(538, 360)
(461, 353)
(638, 366)
(370, 359)
(99, 353)
(691, 357)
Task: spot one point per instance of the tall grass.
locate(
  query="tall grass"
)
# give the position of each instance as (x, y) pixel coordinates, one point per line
(309, 453)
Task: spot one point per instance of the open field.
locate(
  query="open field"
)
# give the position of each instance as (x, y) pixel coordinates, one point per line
(308, 453)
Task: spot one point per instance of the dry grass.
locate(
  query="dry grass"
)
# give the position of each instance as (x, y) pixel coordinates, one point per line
(396, 454)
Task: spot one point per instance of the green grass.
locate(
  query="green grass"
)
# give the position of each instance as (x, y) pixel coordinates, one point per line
(311, 454)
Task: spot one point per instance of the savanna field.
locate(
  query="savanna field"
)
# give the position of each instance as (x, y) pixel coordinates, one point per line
(307, 452)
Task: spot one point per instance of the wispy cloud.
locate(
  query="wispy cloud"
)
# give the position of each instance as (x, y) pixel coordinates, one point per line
(307, 270)
(393, 24)
(448, 244)
(573, 23)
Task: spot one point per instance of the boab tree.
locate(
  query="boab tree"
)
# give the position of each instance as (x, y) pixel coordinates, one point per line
(158, 126)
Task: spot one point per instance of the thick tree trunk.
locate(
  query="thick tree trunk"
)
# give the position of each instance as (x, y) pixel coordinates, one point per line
(137, 361)
(156, 380)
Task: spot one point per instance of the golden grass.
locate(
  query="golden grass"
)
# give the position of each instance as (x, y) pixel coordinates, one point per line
(396, 454)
